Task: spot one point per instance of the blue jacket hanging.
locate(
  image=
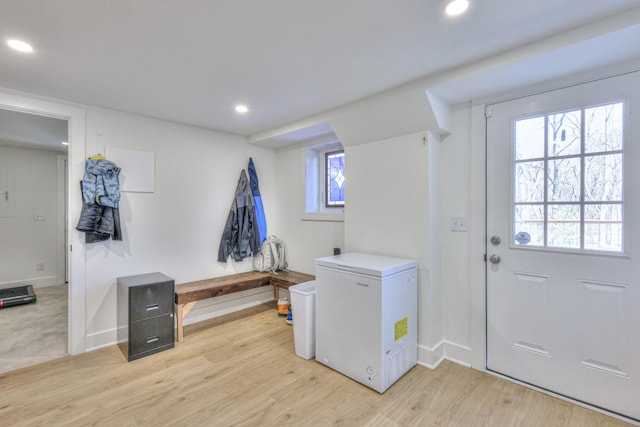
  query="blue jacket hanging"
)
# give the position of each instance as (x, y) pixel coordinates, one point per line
(101, 184)
(257, 202)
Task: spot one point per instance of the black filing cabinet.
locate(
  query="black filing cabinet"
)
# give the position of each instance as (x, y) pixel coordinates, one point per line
(145, 314)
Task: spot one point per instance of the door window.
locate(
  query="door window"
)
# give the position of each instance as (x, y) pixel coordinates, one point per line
(568, 179)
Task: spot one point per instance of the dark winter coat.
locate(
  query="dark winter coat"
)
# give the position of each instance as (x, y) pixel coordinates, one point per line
(240, 237)
(99, 222)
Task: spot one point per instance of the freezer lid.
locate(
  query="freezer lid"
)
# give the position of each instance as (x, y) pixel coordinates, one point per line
(369, 264)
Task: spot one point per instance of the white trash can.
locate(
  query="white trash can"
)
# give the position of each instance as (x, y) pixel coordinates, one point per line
(303, 311)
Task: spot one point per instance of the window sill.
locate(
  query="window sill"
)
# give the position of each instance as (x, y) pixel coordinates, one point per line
(323, 216)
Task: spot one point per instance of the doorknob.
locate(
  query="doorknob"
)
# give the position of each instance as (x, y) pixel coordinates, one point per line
(495, 240)
(494, 259)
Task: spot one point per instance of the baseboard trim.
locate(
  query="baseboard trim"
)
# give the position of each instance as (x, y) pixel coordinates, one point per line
(431, 357)
(39, 282)
(457, 353)
(101, 339)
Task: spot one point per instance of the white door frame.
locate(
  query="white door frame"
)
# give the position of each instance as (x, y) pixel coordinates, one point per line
(61, 208)
(477, 239)
(75, 115)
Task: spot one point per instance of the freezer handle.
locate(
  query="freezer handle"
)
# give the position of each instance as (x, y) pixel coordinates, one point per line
(344, 267)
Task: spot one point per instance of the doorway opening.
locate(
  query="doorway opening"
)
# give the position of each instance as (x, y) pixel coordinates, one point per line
(74, 119)
(33, 217)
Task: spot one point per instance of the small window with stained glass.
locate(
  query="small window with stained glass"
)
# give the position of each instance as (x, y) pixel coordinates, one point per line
(334, 179)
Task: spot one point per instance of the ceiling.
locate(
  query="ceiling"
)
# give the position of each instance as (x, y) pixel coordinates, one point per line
(192, 61)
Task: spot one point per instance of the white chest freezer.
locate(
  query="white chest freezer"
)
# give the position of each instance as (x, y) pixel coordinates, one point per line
(366, 317)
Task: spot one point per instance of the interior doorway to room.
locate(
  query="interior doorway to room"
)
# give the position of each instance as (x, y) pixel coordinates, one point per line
(33, 224)
(563, 305)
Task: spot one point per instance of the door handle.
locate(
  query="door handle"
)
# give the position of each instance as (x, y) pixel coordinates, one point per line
(494, 259)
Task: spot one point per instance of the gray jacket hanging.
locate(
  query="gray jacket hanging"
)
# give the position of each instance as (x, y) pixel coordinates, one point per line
(240, 237)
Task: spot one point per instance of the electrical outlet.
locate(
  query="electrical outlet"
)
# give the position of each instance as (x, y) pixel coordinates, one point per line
(40, 266)
(38, 216)
(458, 223)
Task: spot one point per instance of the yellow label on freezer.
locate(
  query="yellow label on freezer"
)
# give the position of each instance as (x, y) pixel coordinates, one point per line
(402, 328)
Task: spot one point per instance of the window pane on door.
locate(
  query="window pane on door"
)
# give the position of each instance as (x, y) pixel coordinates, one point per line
(529, 182)
(564, 133)
(530, 219)
(529, 138)
(603, 178)
(603, 227)
(563, 226)
(564, 180)
(603, 128)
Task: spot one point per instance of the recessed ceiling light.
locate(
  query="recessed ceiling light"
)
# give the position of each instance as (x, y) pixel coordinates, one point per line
(456, 7)
(241, 109)
(20, 45)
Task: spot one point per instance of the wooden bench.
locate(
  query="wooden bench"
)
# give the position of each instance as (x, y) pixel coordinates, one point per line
(187, 294)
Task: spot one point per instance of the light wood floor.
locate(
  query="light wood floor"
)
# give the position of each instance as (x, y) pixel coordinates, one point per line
(242, 371)
(34, 333)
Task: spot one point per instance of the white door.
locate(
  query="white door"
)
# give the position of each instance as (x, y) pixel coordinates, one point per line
(563, 242)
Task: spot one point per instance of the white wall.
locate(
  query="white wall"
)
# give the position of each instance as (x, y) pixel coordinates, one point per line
(389, 199)
(306, 240)
(176, 230)
(454, 249)
(24, 242)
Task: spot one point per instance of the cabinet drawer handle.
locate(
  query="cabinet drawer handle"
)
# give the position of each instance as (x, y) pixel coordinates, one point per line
(362, 284)
(153, 307)
(153, 339)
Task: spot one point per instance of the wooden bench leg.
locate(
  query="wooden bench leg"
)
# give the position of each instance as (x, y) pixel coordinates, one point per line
(181, 312)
